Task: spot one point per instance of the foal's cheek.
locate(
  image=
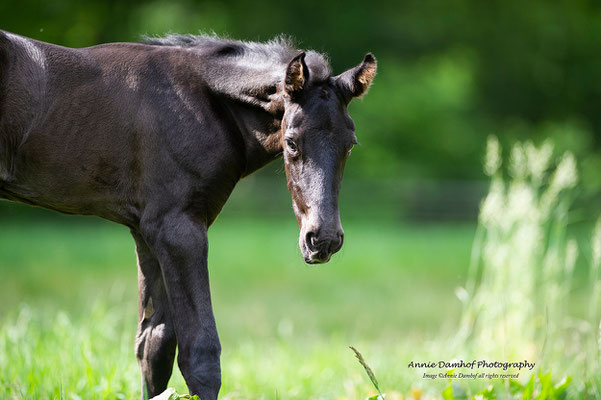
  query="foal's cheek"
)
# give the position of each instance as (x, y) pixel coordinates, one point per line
(299, 205)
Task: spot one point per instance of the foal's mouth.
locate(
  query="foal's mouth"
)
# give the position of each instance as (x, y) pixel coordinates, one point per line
(315, 257)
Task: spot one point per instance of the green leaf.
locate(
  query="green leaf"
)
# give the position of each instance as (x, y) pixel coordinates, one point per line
(563, 385)
(515, 386)
(546, 389)
(529, 389)
(488, 393)
(447, 393)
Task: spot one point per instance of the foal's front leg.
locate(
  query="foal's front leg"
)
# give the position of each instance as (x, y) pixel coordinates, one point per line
(155, 340)
(180, 244)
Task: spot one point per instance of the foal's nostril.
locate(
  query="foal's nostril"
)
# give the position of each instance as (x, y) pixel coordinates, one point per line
(311, 240)
(336, 245)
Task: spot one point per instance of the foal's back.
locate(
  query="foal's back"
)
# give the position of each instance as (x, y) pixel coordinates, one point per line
(80, 128)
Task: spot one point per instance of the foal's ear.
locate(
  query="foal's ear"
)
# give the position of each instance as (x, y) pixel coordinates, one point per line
(297, 75)
(356, 81)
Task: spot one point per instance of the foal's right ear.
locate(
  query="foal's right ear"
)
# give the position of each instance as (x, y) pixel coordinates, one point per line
(297, 75)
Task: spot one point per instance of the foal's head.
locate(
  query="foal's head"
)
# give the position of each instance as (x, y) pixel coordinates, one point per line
(318, 137)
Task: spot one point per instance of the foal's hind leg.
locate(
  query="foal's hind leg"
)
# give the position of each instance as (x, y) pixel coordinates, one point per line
(155, 340)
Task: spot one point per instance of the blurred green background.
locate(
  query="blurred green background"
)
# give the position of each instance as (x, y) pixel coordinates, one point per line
(450, 73)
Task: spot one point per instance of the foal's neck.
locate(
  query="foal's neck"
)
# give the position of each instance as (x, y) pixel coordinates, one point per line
(261, 132)
(250, 87)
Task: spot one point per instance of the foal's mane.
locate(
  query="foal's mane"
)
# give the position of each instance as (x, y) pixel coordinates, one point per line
(247, 70)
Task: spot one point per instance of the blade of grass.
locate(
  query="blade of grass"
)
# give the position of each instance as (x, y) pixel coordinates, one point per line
(370, 373)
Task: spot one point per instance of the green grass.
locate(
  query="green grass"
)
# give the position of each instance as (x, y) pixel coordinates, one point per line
(68, 307)
(68, 302)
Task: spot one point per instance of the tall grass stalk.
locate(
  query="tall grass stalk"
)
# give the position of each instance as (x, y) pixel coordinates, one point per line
(523, 260)
(593, 353)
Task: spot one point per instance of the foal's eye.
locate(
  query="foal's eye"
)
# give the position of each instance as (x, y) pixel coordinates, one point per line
(291, 146)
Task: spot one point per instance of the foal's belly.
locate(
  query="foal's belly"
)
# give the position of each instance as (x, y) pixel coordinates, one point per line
(70, 193)
(84, 171)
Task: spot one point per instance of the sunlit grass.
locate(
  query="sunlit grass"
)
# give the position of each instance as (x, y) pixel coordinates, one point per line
(68, 307)
(517, 297)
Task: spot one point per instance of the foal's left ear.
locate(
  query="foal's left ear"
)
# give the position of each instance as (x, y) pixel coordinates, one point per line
(356, 81)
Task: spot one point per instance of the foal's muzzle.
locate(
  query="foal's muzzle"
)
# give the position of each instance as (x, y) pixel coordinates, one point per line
(318, 248)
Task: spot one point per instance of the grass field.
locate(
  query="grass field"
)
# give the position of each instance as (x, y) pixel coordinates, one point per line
(68, 299)
(68, 308)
